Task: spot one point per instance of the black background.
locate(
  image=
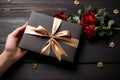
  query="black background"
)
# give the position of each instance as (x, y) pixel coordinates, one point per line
(15, 13)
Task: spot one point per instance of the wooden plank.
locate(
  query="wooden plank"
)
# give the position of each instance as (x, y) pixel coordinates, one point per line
(36, 1)
(23, 71)
(24, 9)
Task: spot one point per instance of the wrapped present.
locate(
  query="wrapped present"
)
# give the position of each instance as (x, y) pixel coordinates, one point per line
(51, 36)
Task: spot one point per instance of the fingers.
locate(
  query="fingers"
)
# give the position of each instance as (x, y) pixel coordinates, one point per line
(19, 31)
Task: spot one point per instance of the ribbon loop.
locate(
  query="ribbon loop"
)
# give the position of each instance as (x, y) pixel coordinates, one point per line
(56, 24)
(65, 33)
(41, 30)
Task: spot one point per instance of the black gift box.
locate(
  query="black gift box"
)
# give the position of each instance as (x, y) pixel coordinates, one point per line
(35, 43)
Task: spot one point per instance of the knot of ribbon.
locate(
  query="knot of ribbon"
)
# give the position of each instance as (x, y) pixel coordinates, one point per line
(52, 43)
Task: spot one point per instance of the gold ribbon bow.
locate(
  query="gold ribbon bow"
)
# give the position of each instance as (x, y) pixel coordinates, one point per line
(64, 36)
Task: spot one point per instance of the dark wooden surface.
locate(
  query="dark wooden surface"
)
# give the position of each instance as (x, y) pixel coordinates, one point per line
(15, 13)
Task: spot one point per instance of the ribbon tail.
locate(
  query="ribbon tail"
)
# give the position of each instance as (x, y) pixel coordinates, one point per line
(46, 48)
(57, 49)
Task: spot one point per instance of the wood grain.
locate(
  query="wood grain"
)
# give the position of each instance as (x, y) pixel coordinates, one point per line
(24, 9)
(23, 71)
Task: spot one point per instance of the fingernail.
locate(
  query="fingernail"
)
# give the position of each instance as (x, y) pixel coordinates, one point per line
(26, 23)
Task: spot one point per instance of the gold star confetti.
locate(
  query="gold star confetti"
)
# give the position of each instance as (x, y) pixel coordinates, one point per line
(116, 11)
(100, 64)
(112, 44)
(76, 2)
(34, 65)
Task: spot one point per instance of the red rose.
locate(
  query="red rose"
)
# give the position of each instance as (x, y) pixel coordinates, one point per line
(60, 16)
(89, 31)
(88, 18)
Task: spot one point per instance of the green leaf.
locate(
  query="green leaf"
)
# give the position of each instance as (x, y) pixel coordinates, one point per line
(101, 20)
(105, 13)
(79, 12)
(100, 11)
(76, 17)
(109, 33)
(69, 19)
(110, 23)
(89, 8)
(101, 33)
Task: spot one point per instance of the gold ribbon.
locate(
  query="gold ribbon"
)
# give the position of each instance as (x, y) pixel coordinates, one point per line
(64, 36)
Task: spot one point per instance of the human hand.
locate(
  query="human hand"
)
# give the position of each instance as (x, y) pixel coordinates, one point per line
(11, 47)
(12, 52)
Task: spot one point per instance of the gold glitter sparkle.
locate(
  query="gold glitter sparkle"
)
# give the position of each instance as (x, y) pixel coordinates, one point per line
(100, 64)
(76, 2)
(116, 11)
(34, 65)
(112, 44)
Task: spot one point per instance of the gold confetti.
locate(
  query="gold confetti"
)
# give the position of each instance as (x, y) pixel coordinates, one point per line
(112, 44)
(100, 64)
(34, 65)
(76, 2)
(116, 11)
